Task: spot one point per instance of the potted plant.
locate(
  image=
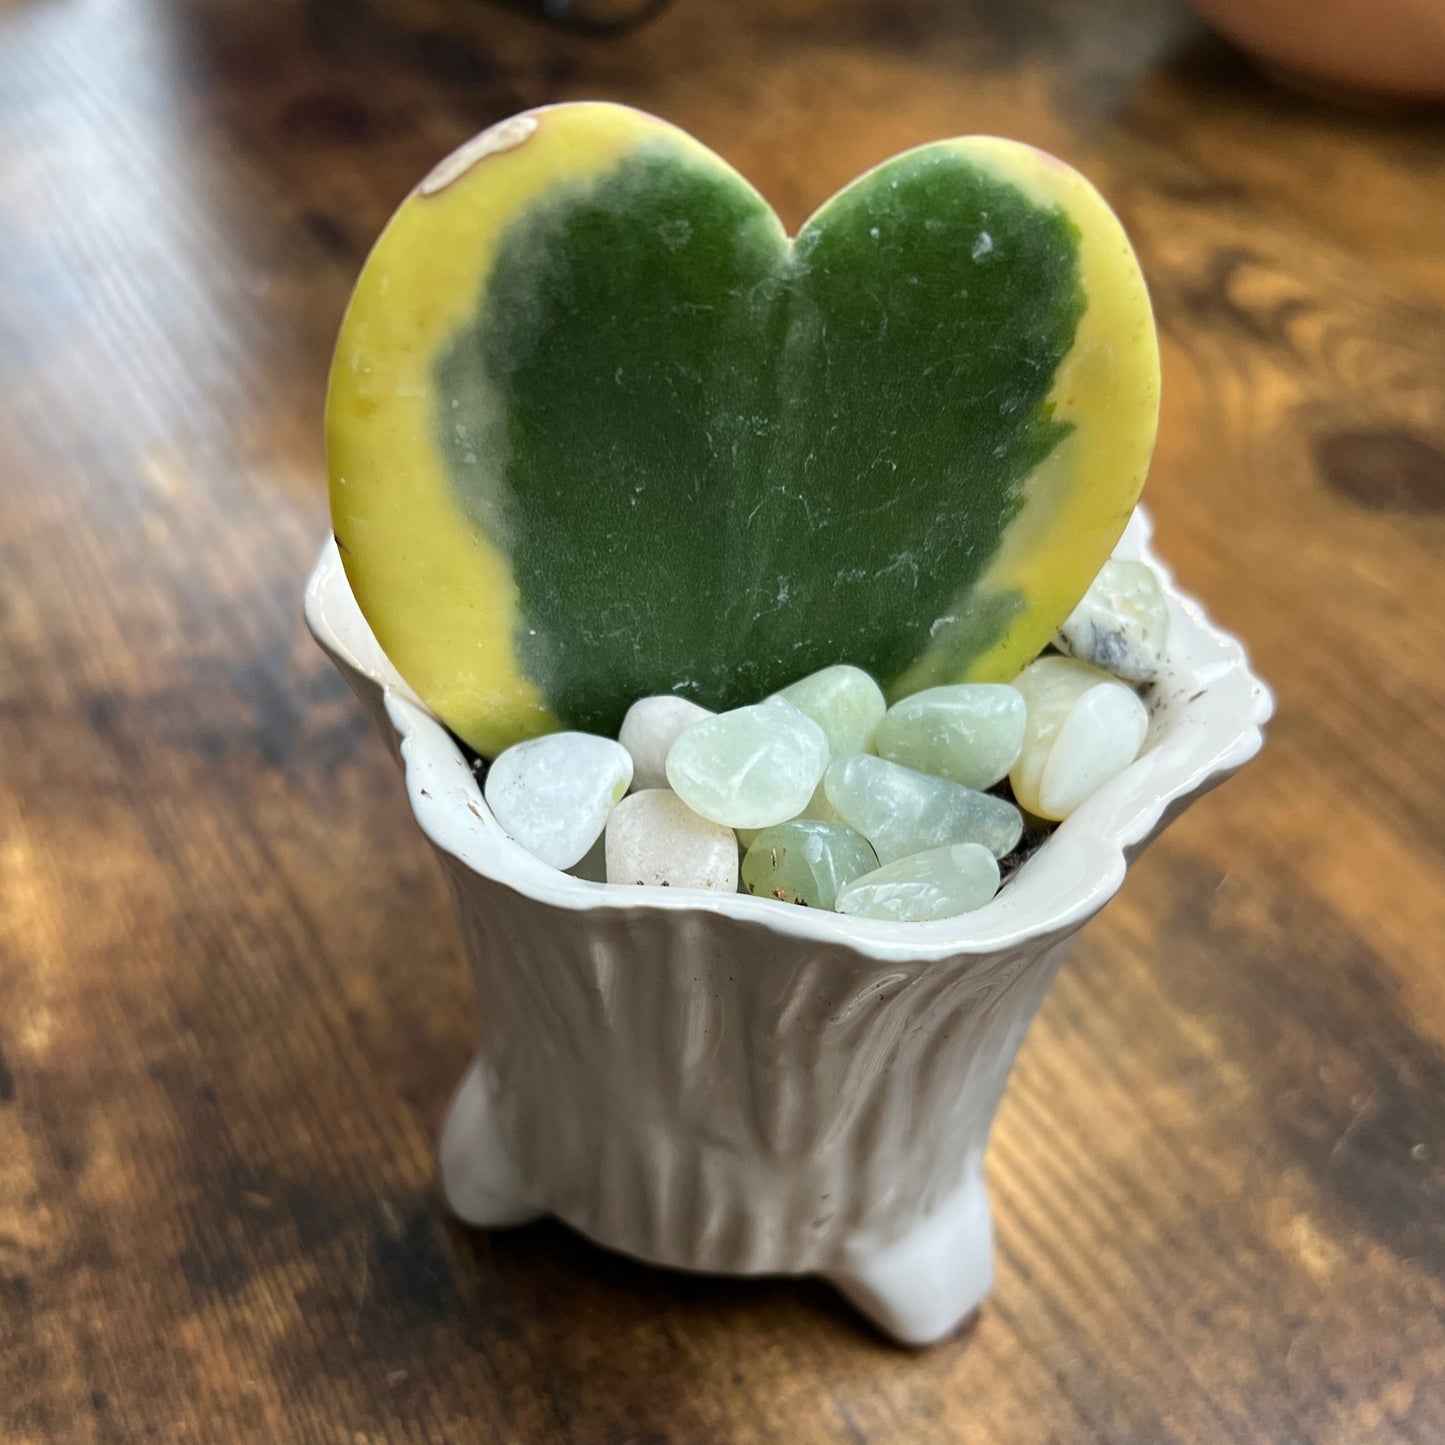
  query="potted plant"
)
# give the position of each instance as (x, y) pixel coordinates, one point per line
(712, 1080)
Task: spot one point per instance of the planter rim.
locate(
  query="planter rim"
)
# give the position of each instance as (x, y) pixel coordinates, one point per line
(1207, 716)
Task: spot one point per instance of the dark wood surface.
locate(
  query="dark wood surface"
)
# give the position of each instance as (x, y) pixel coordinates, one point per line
(231, 1002)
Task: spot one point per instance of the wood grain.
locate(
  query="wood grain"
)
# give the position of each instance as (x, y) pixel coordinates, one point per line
(231, 1002)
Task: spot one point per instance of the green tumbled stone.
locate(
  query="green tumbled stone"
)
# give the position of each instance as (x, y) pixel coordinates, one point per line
(818, 808)
(845, 702)
(749, 768)
(806, 861)
(970, 733)
(902, 812)
(941, 883)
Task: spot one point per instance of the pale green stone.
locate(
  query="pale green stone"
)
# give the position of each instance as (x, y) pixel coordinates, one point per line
(1083, 728)
(1122, 623)
(901, 811)
(969, 733)
(806, 861)
(751, 767)
(818, 807)
(845, 702)
(941, 883)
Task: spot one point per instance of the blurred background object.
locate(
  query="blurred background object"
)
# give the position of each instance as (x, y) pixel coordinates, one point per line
(1392, 48)
(598, 17)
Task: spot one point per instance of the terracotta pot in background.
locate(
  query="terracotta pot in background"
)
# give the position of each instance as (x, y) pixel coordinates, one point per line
(1380, 47)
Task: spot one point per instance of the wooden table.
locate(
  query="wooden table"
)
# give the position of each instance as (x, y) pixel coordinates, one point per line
(231, 1001)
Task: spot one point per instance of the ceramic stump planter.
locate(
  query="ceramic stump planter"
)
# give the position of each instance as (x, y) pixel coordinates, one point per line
(714, 1082)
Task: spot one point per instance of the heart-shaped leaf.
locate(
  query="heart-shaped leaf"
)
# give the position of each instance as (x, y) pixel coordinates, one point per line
(599, 429)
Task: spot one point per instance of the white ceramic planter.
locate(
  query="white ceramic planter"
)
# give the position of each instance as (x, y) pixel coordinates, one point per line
(715, 1082)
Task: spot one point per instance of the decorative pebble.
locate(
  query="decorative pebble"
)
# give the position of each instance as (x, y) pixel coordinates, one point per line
(648, 732)
(751, 767)
(970, 733)
(928, 886)
(806, 861)
(655, 839)
(845, 702)
(1122, 624)
(818, 808)
(1084, 728)
(553, 794)
(902, 812)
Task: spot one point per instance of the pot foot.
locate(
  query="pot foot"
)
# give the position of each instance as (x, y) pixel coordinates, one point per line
(922, 1287)
(480, 1182)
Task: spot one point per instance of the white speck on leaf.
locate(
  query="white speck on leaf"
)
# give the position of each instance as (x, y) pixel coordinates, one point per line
(982, 246)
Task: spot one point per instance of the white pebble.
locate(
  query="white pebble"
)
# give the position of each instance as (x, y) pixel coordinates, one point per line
(553, 794)
(749, 768)
(648, 732)
(1122, 623)
(655, 839)
(1084, 728)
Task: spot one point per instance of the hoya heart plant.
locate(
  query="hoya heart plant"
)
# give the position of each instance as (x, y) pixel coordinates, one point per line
(599, 429)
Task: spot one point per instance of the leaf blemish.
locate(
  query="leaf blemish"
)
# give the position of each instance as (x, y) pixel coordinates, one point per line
(506, 135)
